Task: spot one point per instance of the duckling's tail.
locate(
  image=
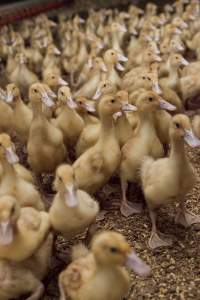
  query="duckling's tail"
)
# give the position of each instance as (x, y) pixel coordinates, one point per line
(78, 251)
(145, 166)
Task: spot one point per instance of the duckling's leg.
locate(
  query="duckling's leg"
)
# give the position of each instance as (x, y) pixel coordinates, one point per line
(38, 292)
(127, 208)
(185, 217)
(157, 239)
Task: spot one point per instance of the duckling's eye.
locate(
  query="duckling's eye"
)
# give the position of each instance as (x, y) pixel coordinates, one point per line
(150, 99)
(59, 178)
(104, 85)
(177, 125)
(143, 78)
(149, 78)
(112, 101)
(80, 102)
(62, 93)
(13, 210)
(112, 53)
(35, 91)
(113, 250)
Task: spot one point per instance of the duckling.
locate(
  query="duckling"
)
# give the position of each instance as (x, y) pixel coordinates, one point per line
(22, 230)
(144, 141)
(196, 125)
(16, 180)
(45, 147)
(68, 121)
(22, 114)
(124, 129)
(89, 88)
(177, 173)
(117, 34)
(94, 272)
(54, 81)
(95, 166)
(51, 61)
(25, 277)
(21, 75)
(85, 109)
(105, 87)
(72, 210)
(112, 58)
(6, 114)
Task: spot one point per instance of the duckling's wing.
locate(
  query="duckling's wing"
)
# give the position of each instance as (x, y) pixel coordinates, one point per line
(97, 162)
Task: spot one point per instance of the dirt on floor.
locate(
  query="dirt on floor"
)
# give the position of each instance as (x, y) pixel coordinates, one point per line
(175, 270)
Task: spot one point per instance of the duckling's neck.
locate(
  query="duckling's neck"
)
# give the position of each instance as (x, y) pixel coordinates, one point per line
(37, 109)
(9, 174)
(107, 127)
(177, 152)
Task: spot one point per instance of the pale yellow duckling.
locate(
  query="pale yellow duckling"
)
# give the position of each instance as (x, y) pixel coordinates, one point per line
(95, 76)
(93, 273)
(22, 114)
(85, 109)
(54, 81)
(196, 125)
(68, 121)
(21, 75)
(51, 62)
(45, 147)
(16, 180)
(72, 210)
(113, 58)
(94, 167)
(22, 230)
(6, 114)
(144, 141)
(168, 180)
(117, 32)
(105, 87)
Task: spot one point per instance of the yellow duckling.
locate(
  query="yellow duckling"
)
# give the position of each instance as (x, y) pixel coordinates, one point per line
(105, 87)
(51, 62)
(196, 125)
(144, 141)
(85, 109)
(22, 230)
(21, 75)
(89, 88)
(168, 180)
(22, 114)
(16, 179)
(72, 210)
(94, 273)
(95, 166)
(113, 58)
(54, 81)
(45, 147)
(68, 121)
(6, 114)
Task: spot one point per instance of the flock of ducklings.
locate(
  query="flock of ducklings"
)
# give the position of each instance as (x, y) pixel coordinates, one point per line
(121, 112)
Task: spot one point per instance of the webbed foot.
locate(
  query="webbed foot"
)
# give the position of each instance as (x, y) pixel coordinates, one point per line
(159, 240)
(127, 208)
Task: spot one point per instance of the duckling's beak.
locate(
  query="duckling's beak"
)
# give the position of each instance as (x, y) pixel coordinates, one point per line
(56, 51)
(89, 107)
(180, 48)
(134, 31)
(9, 97)
(122, 57)
(90, 63)
(191, 139)
(119, 67)
(184, 25)
(104, 68)
(98, 94)
(100, 45)
(71, 103)
(184, 62)
(156, 88)
(117, 115)
(128, 107)
(82, 21)
(137, 264)
(11, 156)
(51, 94)
(71, 196)
(158, 58)
(177, 31)
(62, 81)
(122, 28)
(166, 105)
(6, 233)
(47, 100)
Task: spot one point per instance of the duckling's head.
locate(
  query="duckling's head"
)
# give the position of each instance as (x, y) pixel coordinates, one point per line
(109, 105)
(111, 56)
(104, 87)
(150, 102)
(7, 149)
(181, 129)
(53, 50)
(84, 105)
(39, 92)
(178, 21)
(111, 248)
(122, 97)
(98, 64)
(65, 184)
(150, 57)
(9, 213)
(21, 58)
(116, 27)
(53, 79)
(13, 93)
(65, 97)
(177, 60)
